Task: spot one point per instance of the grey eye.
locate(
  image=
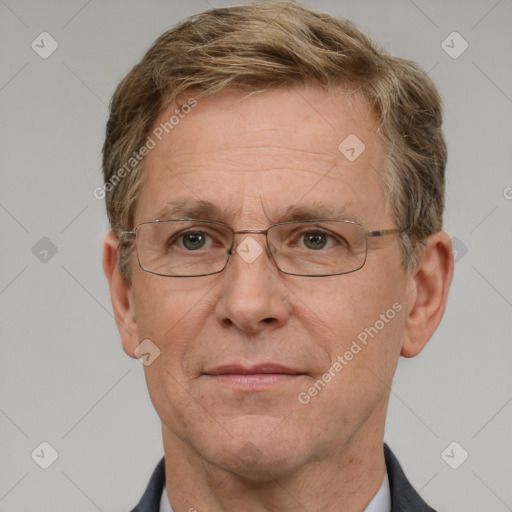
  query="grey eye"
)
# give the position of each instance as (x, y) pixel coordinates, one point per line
(315, 241)
(194, 241)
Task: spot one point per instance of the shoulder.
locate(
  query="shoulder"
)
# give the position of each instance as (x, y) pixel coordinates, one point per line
(150, 501)
(404, 497)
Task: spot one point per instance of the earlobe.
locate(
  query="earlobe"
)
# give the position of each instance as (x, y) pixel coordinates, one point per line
(120, 294)
(428, 293)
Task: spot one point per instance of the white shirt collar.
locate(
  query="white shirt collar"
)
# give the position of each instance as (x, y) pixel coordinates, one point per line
(165, 506)
(381, 502)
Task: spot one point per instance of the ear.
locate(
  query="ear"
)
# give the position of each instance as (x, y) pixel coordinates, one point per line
(120, 294)
(429, 285)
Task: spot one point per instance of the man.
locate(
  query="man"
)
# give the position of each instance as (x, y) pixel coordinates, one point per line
(275, 188)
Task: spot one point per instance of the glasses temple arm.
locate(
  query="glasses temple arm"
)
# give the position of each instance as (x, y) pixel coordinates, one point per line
(126, 236)
(384, 232)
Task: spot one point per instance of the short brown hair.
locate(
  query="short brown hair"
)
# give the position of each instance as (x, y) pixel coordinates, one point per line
(265, 46)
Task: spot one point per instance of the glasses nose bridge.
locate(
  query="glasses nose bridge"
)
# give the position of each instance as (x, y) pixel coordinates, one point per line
(251, 232)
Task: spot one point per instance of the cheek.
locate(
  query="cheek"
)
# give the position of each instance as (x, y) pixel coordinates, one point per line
(351, 304)
(365, 317)
(365, 327)
(171, 314)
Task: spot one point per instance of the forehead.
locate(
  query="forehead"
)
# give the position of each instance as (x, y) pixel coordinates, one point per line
(268, 151)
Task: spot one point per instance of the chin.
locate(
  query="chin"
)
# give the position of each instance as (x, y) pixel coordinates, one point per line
(260, 454)
(260, 464)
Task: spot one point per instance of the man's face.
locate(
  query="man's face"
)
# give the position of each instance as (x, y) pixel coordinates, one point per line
(254, 159)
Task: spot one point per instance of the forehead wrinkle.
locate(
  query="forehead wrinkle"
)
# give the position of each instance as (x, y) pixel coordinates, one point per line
(181, 169)
(257, 147)
(319, 172)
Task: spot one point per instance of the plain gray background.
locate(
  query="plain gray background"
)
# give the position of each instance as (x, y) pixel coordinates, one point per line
(64, 377)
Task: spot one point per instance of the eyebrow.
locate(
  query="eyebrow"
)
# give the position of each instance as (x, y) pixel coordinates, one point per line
(316, 211)
(205, 210)
(191, 210)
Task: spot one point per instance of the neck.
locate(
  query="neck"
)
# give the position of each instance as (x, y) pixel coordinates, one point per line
(348, 479)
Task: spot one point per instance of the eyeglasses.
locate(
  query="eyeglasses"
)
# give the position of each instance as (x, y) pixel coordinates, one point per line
(193, 248)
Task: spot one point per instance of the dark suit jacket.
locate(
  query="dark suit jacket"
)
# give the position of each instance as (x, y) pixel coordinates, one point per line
(403, 497)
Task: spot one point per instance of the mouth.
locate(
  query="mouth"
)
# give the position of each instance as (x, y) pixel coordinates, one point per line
(259, 377)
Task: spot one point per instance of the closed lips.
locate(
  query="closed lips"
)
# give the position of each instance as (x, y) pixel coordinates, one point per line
(254, 370)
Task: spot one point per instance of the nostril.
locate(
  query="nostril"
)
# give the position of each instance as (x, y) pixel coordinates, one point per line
(227, 322)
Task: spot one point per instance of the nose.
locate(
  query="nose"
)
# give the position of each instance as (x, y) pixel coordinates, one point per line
(253, 295)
